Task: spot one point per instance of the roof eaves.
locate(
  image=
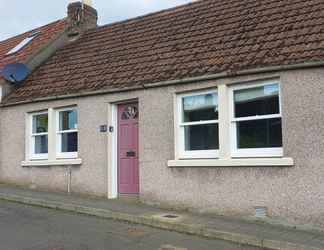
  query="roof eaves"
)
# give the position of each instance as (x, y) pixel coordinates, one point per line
(252, 71)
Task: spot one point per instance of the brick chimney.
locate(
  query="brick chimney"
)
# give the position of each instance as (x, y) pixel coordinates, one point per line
(81, 17)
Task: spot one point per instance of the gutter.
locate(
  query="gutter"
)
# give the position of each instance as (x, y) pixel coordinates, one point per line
(175, 82)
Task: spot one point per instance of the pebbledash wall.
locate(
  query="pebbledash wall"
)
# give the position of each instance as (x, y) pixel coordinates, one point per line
(295, 194)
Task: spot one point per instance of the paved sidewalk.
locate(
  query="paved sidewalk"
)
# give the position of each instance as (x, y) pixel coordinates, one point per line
(216, 227)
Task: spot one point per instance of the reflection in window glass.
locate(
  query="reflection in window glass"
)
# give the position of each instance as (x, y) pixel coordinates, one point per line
(262, 100)
(41, 144)
(40, 123)
(201, 137)
(40, 134)
(260, 123)
(69, 142)
(200, 107)
(68, 120)
(259, 133)
(68, 125)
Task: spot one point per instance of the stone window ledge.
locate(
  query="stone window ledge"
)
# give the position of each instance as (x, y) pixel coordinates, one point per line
(242, 162)
(45, 163)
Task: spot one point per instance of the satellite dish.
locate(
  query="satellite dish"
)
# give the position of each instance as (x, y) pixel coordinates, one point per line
(15, 72)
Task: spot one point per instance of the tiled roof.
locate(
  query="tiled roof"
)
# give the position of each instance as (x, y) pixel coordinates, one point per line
(201, 38)
(45, 34)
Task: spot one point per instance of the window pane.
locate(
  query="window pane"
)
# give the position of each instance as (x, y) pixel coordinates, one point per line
(69, 142)
(40, 123)
(257, 101)
(68, 120)
(200, 107)
(259, 133)
(201, 137)
(41, 144)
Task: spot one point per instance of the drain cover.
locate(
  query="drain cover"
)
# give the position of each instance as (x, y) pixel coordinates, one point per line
(170, 216)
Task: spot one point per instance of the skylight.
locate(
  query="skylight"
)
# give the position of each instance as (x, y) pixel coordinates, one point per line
(23, 43)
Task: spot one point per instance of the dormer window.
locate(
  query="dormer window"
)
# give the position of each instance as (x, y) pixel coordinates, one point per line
(23, 43)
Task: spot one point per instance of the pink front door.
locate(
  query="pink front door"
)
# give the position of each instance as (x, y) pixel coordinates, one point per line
(128, 168)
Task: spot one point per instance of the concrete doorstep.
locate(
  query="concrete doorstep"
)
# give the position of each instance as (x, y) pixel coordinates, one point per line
(242, 232)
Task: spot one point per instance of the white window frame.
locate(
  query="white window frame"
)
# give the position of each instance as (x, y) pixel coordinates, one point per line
(59, 133)
(180, 142)
(32, 135)
(255, 152)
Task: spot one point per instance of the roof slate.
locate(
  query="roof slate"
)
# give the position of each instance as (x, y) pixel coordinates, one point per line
(201, 38)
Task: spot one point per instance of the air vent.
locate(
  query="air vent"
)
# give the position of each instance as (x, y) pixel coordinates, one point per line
(261, 212)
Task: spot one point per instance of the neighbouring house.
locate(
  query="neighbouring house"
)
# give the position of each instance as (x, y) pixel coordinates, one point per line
(215, 106)
(30, 48)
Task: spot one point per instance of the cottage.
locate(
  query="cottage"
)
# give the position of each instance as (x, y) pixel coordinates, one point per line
(215, 106)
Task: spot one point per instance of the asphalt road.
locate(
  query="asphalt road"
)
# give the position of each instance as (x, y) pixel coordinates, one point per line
(32, 228)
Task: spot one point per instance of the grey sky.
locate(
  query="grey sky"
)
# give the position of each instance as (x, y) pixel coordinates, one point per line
(18, 16)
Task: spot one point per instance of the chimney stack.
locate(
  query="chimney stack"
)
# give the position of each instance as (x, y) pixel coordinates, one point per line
(81, 17)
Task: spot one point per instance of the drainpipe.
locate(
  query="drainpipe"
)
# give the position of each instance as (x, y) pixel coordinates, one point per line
(69, 176)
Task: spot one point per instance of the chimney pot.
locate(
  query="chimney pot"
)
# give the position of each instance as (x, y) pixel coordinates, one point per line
(88, 2)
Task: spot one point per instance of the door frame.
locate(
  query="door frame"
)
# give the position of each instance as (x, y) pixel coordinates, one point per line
(112, 169)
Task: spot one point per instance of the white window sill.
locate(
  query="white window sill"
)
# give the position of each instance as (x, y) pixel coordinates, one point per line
(61, 162)
(246, 162)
